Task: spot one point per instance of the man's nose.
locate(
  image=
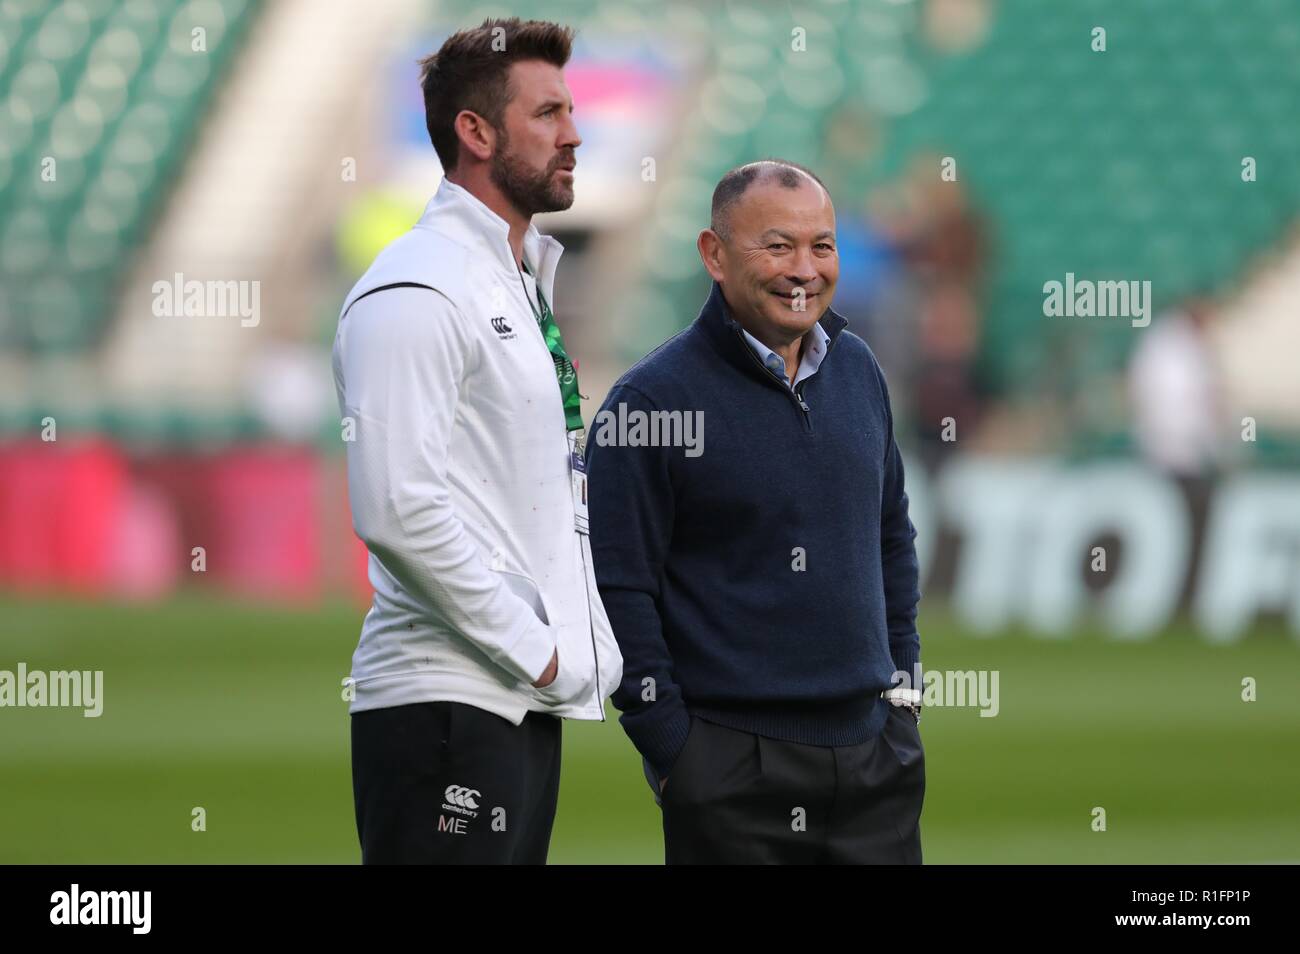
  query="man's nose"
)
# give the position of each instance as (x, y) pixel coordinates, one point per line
(803, 270)
(569, 138)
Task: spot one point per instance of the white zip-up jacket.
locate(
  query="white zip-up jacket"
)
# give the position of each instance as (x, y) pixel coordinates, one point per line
(459, 478)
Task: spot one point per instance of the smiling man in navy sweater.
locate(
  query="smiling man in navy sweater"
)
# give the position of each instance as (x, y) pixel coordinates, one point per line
(763, 592)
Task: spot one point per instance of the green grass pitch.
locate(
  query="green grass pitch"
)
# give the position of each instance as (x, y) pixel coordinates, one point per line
(238, 710)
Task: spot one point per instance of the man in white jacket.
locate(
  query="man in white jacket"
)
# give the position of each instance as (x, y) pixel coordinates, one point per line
(466, 478)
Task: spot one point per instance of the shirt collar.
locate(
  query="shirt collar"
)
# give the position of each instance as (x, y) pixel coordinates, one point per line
(456, 211)
(716, 324)
(814, 350)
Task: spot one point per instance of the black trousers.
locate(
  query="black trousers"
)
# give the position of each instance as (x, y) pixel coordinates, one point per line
(449, 783)
(738, 798)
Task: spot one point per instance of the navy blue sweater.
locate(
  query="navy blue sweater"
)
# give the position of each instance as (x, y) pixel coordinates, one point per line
(769, 583)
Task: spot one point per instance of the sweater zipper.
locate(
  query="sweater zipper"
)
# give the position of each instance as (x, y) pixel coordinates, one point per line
(796, 393)
(798, 388)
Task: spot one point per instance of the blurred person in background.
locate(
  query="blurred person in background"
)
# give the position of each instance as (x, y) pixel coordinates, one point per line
(941, 243)
(1175, 393)
(764, 590)
(1176, 398)
(486, 627)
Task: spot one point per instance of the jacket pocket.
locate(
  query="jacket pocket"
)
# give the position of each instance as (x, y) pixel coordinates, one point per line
(574, 679)
(527, 590)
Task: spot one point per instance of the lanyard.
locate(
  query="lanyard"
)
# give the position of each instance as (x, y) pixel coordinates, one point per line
(565, 373)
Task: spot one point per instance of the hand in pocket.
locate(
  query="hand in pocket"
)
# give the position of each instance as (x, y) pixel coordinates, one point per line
(550, 672)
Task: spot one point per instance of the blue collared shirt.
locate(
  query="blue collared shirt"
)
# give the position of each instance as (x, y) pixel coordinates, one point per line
(813, 352)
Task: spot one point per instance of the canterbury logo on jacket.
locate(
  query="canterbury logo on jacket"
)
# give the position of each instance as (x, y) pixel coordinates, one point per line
(459, 478)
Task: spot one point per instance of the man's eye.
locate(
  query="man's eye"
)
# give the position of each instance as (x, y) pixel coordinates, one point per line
(778, 246)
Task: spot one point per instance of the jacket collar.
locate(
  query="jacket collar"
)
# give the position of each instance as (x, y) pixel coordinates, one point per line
(458, 214)
(720, 326)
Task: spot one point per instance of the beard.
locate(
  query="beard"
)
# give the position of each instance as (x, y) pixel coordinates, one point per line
(528, 190)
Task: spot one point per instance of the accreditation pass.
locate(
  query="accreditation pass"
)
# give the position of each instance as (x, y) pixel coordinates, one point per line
(578, 474)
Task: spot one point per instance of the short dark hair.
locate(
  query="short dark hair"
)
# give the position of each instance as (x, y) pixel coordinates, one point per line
(471, 71)
(735, 182)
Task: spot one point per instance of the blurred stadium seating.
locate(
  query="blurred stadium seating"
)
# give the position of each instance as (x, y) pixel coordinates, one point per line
(113, 94)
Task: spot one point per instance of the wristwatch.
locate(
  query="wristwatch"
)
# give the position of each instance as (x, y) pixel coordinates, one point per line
(909, 699)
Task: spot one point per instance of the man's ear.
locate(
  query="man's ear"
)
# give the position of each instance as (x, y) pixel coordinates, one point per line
(476, 135)
(710, 248)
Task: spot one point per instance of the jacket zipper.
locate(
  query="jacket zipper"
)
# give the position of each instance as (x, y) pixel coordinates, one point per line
(591, 626)
(532, 313)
